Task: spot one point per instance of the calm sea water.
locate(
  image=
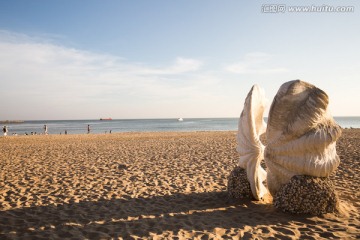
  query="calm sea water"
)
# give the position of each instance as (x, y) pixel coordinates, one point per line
(143, 125)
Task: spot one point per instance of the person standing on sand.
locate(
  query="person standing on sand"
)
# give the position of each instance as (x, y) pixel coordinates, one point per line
(5, 130)
(45, 130)
(88, 128)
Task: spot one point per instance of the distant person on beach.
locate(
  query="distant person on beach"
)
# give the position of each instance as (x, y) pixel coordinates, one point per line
(88, 128)
(65, 132)
(45, 130)
(5, 130)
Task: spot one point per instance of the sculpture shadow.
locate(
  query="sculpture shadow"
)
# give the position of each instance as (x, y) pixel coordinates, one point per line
(139, 216)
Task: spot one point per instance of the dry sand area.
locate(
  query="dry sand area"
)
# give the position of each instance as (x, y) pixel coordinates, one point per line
(151, 186)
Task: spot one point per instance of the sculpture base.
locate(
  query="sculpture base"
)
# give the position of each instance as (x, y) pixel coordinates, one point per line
(238, 184)
(308, 195)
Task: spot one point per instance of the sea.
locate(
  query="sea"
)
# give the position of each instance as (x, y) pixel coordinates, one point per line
(140, 125)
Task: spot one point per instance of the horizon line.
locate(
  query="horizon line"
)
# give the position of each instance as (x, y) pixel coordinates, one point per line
(98, 119)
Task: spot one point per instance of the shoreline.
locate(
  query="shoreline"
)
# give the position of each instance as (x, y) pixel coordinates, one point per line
(143, 132)
(129, 132)
(152, 185)
(140, 125)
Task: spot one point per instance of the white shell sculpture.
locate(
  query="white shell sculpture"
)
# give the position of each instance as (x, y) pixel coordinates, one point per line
(301, 135)
(250, 148)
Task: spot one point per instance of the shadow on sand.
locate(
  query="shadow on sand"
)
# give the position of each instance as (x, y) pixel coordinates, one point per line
(138, 216)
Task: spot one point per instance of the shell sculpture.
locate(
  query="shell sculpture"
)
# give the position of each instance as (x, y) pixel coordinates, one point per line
(250, 148)
(301, 135)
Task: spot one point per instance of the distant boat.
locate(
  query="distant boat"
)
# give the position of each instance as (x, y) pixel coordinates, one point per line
(180, 119)
(105, 119)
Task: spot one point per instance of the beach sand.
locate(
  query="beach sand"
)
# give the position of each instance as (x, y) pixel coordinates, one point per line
(152, 185)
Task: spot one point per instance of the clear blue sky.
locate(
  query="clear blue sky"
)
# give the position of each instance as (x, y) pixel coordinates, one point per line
(167, 59)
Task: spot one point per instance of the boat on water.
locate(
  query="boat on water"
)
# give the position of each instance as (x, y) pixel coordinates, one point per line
(105, 119)
(180, 119)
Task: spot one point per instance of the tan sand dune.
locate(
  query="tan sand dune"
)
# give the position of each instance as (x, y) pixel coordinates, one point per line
(152, 185)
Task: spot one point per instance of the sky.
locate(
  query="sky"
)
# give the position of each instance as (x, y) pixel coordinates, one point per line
(93, 59)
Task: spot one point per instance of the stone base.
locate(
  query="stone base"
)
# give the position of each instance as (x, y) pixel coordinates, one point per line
(238, 184)
(307, 194)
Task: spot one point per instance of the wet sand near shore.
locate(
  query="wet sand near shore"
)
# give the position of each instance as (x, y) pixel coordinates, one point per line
(152, 185)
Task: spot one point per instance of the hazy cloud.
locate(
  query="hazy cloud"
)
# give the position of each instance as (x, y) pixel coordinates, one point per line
(42, 73)
(181, 65)
(255, 63)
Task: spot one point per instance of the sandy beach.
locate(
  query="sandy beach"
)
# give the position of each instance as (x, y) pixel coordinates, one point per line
(152, 185)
